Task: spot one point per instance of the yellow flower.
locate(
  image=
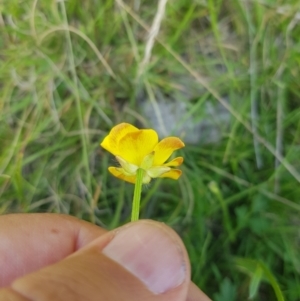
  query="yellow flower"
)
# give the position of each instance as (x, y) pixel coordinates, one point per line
(134, 149)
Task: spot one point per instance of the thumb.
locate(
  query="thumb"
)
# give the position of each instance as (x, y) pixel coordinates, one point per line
(144, 260)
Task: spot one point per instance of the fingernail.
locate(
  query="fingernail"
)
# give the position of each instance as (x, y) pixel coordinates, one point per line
(149, 253)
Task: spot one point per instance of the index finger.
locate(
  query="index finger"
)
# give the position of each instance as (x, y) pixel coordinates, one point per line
(29, 242)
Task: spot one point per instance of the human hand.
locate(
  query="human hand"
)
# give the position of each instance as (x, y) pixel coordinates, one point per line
(47, 257)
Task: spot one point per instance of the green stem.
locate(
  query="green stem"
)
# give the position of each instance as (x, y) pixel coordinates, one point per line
(137, 195)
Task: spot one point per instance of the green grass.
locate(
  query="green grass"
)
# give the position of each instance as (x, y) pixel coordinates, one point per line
(69, 72)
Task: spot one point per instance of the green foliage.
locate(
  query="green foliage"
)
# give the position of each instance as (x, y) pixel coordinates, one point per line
(69, 71)
(227, 291)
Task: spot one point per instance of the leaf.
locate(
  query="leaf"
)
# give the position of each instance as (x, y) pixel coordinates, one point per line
(250, 267)
(255, 282)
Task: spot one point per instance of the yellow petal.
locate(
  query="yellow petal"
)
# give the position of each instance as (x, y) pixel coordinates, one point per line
(175, 162)
(111, 141)
(173, 174)
(119, 173)
(165, 148)
(135, 146)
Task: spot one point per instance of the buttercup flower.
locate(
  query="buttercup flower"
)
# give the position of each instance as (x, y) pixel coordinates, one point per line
(135, 148)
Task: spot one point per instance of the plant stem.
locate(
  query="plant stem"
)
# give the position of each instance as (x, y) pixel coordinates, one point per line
(137, 195)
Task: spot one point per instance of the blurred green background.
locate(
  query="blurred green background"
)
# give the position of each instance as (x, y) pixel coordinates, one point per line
(72, 70)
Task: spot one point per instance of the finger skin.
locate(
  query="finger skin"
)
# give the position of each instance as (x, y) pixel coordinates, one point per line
(105, 280)
(9, 294)
(195, 294)
(90, 275)
(29, 242)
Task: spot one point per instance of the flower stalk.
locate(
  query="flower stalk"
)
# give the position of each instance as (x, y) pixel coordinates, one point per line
(137, 195)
